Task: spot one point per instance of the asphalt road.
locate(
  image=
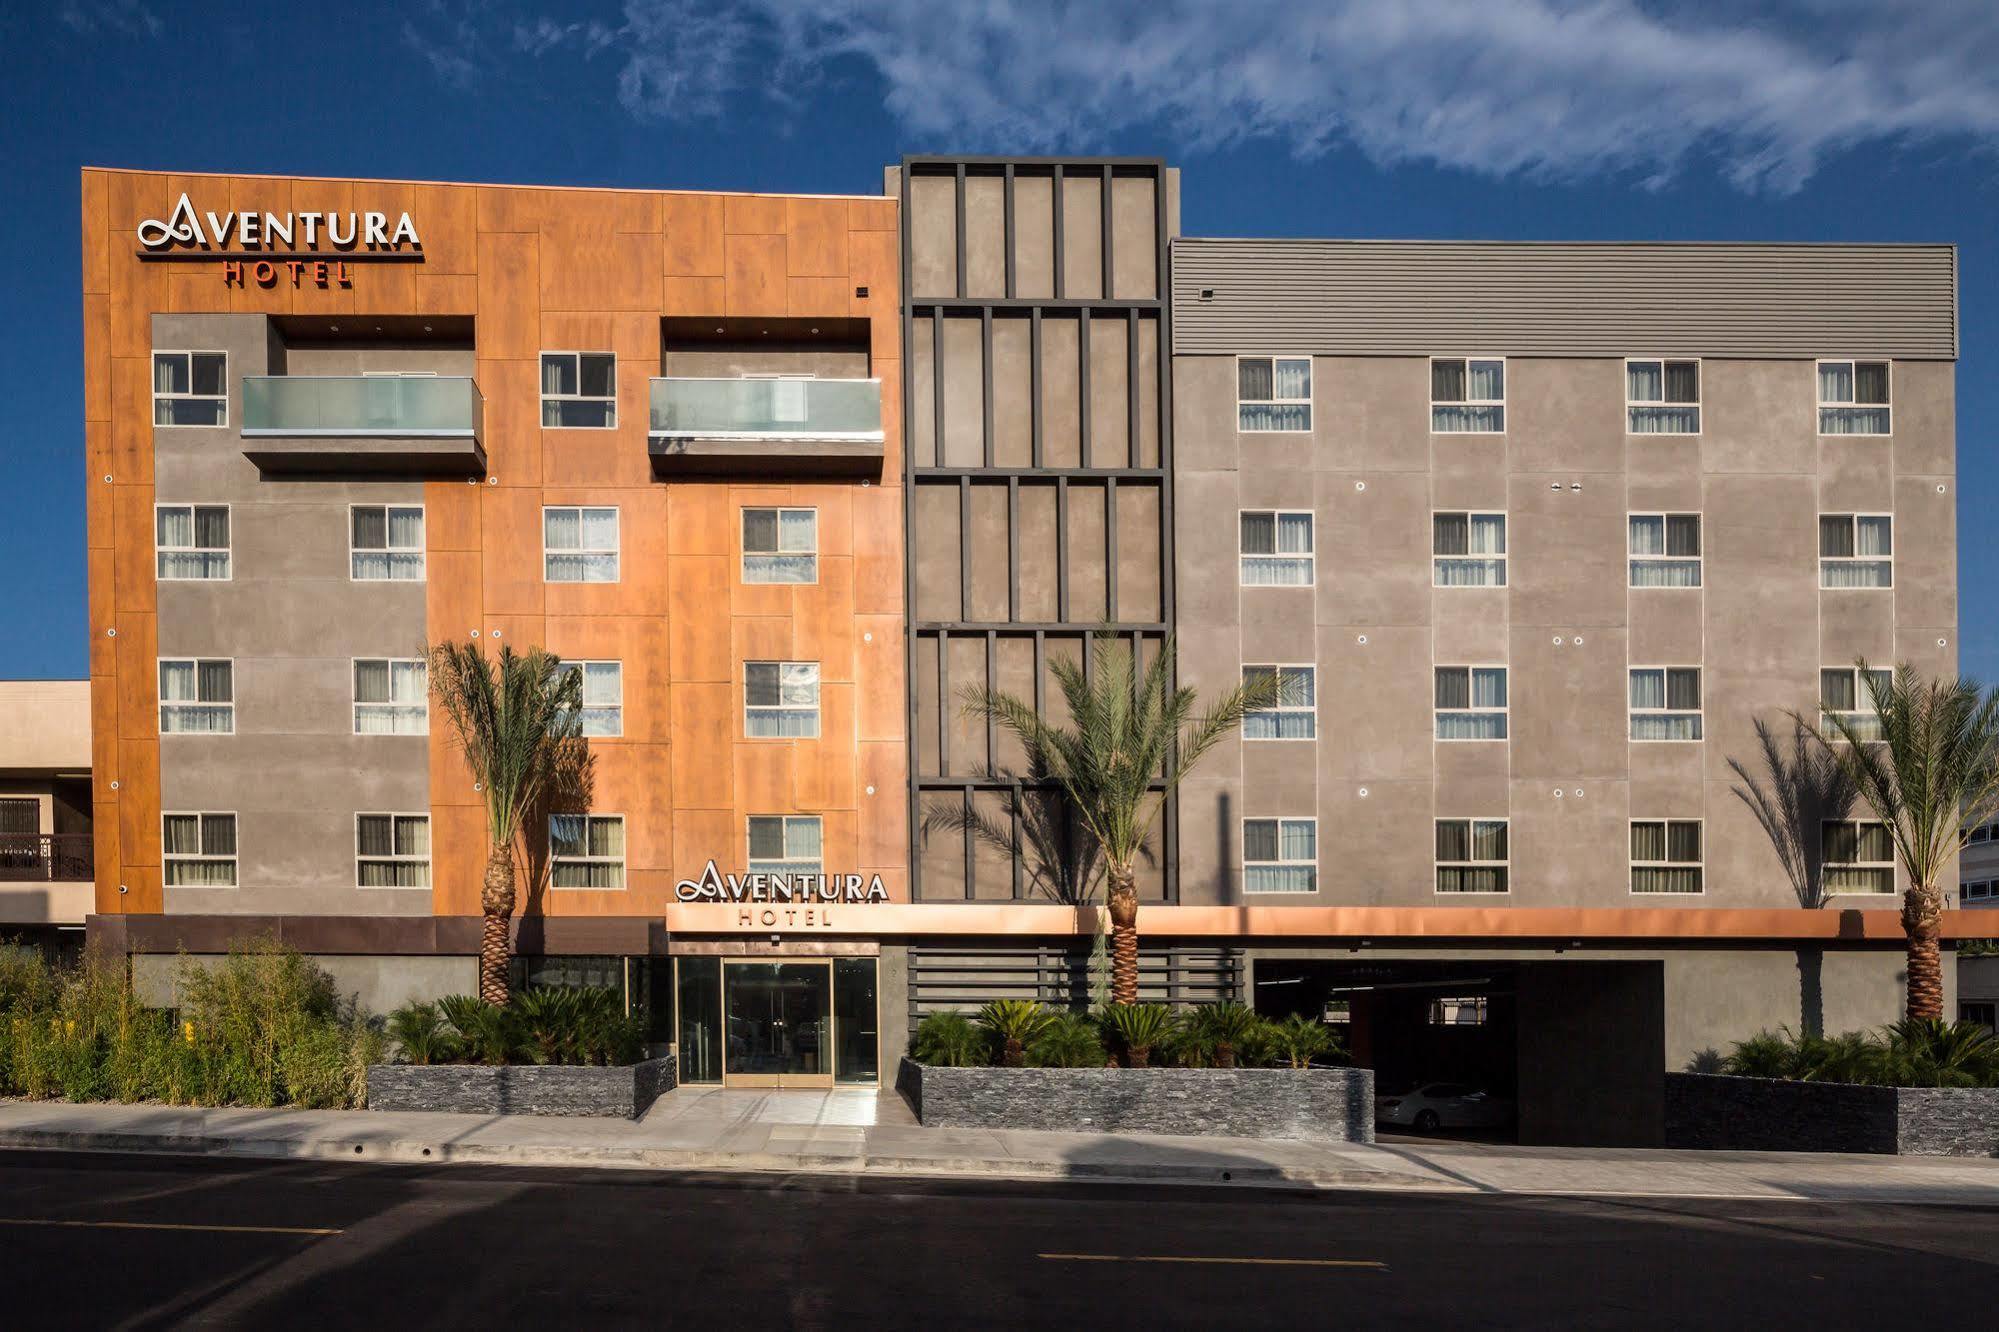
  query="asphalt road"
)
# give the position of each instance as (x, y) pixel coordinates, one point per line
(110, 1241)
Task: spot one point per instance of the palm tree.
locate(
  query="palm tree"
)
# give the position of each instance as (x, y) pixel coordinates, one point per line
(519, 723)
(1804, 787)
(1930, 775)
(1133, 736)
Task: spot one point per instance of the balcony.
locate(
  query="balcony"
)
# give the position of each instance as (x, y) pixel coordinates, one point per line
(767, 427)
(45, 857)
(405, 425)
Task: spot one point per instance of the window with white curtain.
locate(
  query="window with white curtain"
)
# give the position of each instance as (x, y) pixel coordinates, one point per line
(197, 696)
(1662, 397)
(1665, 549)
(1273, 393)
(198, 850)
(1859, 856)
(1853, 398)
(1469, 549)
(190, 388)
(1856, 550)
(1665, 856)
(1280, 855)
(1467, 396)
(586, 850)
(603, 688)
(579, 545)
(579, 390)
(1471, 702)
(385, 542)
(191, 541)
(1665, 703)
(786, 844)
(1276, 548)
(391, 696)
(1848, 693)
(392, 850)
(1471, 855)
(780, 699)
(780, 545)
(1295, 714)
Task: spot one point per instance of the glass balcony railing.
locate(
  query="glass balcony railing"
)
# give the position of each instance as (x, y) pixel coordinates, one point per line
(823, 409)
(437, 406)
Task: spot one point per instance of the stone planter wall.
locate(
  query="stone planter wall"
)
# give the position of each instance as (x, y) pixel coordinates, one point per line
(1762, 1114)
(1319, 1104)
(624, 1091)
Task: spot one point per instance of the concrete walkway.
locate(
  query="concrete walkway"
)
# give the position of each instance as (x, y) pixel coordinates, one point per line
(858, 1132)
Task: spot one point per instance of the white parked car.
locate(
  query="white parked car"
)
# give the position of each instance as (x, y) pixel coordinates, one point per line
(1435, 1105)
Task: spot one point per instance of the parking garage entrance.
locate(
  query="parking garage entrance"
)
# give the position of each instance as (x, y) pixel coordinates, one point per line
(1572, 1051)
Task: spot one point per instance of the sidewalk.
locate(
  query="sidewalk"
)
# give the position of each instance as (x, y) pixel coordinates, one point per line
(859, 1133)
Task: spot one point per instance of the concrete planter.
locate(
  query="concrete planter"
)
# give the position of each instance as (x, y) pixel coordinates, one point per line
(1315, 1105)
(1763, 1114)
(624, 1091)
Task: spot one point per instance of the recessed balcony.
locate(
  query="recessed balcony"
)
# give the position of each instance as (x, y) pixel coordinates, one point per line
(409, 425)
(766, 426)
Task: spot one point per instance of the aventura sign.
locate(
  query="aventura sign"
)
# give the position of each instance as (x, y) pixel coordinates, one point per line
(770, 901)
(246, 242)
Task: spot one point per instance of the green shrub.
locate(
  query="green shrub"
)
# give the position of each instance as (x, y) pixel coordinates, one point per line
(1069, 1040)
(1910, 1053)
(489, 1034)
(1216, 1033)
(1136, 1029)
(950, 1040)
(421, 1035)
(1300, 1039)
(1928, 1052)
(1014, 1024)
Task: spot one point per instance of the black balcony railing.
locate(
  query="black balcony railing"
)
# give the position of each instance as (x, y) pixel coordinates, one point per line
(45, 857)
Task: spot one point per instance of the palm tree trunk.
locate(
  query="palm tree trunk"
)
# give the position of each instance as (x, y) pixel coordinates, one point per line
(1122, 895)
(1922, 921)
(496, 900)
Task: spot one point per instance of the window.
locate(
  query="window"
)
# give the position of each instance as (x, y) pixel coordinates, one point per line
(1464, 1010)
(1471, 702)
(1665, 856)
(1985, 1014)
(1666, 703)
(1979, 890)
(1467, 397)
(579, 390)
(391, 697)
(603, 687)
(1471, 855)
(1294, 716)
(386, 542)
(579, 545)
(191, 540)
(190, 388)
(1853, 397)
(1662, 397)
(199, 850)
(1469, 549)
(785, 844)
(1665, 549)
(197, 696)
(1856, 550)
(1981, 833)
(1859, 857)
(586, 850)
(1273, 393)
(392, 850)
(780, 545)
(1842, 693)
(780, 698)
(1280, 855)
(1276, 549)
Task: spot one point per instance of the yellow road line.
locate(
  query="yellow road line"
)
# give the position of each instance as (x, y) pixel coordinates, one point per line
(166, 1225)
(1177, 1258)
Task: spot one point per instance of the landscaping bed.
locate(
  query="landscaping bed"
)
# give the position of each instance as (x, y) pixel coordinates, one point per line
(624, 1091)
(1308, 1104)
(1784, 1115)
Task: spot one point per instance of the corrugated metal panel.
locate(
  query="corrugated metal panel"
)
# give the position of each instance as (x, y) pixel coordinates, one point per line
(943, 978)
(1353, 297)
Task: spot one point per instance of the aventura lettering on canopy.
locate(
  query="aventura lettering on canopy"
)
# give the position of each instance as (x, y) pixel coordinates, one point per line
(188, 234)
(715, 886)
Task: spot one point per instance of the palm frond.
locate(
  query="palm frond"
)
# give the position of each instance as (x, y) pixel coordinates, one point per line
(518, 720)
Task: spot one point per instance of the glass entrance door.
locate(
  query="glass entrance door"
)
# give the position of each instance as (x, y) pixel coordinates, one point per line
(778, 1017)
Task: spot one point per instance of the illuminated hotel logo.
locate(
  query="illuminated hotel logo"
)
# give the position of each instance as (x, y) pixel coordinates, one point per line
(259, 233)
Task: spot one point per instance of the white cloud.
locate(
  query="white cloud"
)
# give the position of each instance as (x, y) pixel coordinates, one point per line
(1544, 88)
(128, 17)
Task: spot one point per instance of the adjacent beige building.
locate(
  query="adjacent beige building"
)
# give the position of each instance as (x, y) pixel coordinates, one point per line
(45, 841)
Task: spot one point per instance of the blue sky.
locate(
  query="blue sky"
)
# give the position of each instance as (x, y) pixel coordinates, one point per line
(1793, 120)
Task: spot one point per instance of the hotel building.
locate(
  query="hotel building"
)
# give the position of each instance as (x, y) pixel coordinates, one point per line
(1529, 533)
